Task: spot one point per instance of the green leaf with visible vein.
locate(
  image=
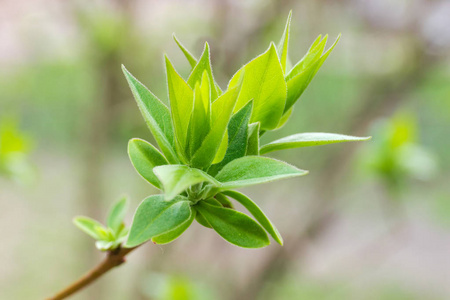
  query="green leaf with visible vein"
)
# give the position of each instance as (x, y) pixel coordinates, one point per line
(191, 59)
(200, 120)
(117, 214)
(181, 105)
(177, 178)
(144, 158)
(88, 226)
(221, 111)
(250, 170)
(264, 83)
(156, 216)
(257, 213)
(235, 227)
(237, 138)
(283, 45)
(173, 234)
(308, 139)
(156, 115)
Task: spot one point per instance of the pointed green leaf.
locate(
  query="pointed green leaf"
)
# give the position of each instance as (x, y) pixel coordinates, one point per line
(144, 158)
(264, 83)
(257, 213)
(221, 111)
(309, 139)
(88, 226)
(173, 234)
(204, 64)
(284, 44)
(156, 216)
(191, 59)
(250, 170)
(117, 214)
(253, 139)
(156, 115)
(301, 75)
(237, 138)
(235, 227)
(177, 178)
(200, 121)
(181, 98)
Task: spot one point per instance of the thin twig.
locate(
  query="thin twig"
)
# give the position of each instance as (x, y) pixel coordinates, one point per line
(112, 260)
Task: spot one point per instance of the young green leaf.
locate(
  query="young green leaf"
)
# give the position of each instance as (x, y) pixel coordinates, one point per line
(181, 105)
(257, 213)
(177, 178)
(191, 59)
(253, 139)
(88, 226)
(156, 114)
(314, 53)
(105, 245)
(156, 216)
(309, 139)
(173, 234)
(250, 170)
(301, 75)
(144, 158)
(237, 138)
(235, 227)
(264, 83)
(283, 45)
(117, 214)
(221, 111)
(199, 125)
(204, 65)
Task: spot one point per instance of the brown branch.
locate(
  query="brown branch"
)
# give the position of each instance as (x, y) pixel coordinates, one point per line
(112, 260)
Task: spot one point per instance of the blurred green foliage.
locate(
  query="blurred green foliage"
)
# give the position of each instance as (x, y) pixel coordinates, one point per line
(15, 147)
(396, 155)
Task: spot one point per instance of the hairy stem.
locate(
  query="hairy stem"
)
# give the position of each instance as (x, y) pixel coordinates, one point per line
(112, 260)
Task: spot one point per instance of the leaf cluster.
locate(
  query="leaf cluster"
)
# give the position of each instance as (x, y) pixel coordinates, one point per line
(111, 236)
(209, 143)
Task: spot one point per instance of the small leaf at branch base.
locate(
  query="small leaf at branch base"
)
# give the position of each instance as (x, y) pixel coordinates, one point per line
(235, 227)
(117, 214)
(156, 216)
(308, 139)
(88, 226)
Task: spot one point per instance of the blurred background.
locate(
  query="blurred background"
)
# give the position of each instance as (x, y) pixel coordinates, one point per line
(371, 221)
